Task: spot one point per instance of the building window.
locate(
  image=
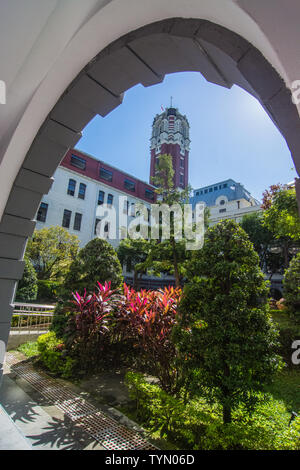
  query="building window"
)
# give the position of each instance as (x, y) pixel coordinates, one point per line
(225, 185)
(42, 212)
(81, 192)
(222, 202)
(205, 191)
(66, 218)
(132, 209)
(110, 199)
(97, 227)
(106, 227)
(222, 210)
(148, 215)
(71, 187)
(129, 185)
(238, 204)
(181, 163)
(126, 207)
(149, 194)
(210, 190)
(77, 221)
(100, 198)
(216, 188)
(78, 162)
(106, 175)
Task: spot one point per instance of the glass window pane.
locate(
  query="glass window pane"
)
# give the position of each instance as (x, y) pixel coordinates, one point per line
(66, 218)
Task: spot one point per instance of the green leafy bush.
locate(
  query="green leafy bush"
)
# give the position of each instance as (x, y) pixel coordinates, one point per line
(198, 425)
(27, 286)
(51, 354)
(291, 286)
(96, 262)
(29, 349)
(47, 290)
(225, 336)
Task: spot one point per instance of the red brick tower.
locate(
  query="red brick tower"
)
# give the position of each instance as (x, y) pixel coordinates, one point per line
(170, 135)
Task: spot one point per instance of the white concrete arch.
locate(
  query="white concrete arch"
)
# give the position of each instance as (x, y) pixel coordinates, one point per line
(58, 56)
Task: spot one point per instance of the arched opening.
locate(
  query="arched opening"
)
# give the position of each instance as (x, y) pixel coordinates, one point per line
(143, 56)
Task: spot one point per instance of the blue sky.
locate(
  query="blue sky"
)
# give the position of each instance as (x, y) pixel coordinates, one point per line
(231, 135)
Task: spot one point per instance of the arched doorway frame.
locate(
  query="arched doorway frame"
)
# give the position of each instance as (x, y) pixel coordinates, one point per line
(142, 56)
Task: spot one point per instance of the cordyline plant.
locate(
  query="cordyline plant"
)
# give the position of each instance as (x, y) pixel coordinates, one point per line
(147, 318)
(88, 327)
(141, 321)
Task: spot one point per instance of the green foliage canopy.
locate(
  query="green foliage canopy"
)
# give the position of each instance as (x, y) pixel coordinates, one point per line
(225, 335)
(51, 251)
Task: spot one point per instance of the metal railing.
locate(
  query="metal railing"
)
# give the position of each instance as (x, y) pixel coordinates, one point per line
(31, 318)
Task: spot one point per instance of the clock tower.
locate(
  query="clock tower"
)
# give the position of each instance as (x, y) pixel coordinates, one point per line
(170, 135)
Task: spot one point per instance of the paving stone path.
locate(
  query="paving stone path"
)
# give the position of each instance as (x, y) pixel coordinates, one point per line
(104, 429)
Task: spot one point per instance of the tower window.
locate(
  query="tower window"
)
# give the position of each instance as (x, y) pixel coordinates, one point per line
(100, 198)
(66, 218)
(78, 162)
(71, 187)
(130, 185)
(110, 199)
(81, 192)
(105, 174)
(42, 212)
(77, 221)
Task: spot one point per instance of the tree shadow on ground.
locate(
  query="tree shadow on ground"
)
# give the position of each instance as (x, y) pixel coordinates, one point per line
(62, 434)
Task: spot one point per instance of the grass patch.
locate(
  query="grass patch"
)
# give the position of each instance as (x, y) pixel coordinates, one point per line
(284, 320)
(29, 349)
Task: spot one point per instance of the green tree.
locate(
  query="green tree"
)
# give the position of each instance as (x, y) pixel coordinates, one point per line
(51, 251)
(225, 337)
(133, 253)
(168, 255)
(281, 217)
(96, 262)
(264, 243)
(27, 286)
(291, 286)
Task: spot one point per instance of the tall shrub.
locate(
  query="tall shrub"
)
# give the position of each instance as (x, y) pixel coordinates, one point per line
(96, 262)
(225, 335)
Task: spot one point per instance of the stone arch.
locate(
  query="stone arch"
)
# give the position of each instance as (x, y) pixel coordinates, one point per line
(142, 56)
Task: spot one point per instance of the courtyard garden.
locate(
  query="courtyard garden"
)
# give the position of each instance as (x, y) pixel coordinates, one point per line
(207, 364)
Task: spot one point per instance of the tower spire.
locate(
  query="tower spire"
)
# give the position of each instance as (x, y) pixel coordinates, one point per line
(171, 101)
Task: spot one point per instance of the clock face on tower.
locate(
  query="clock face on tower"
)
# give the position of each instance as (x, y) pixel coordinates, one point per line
(170, 135)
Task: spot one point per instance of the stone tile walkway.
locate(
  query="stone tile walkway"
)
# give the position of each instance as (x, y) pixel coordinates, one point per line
(81, 415)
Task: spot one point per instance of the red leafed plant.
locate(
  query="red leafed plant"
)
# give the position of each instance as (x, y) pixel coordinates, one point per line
(140, 321)
(88, 327)
(148, 317)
